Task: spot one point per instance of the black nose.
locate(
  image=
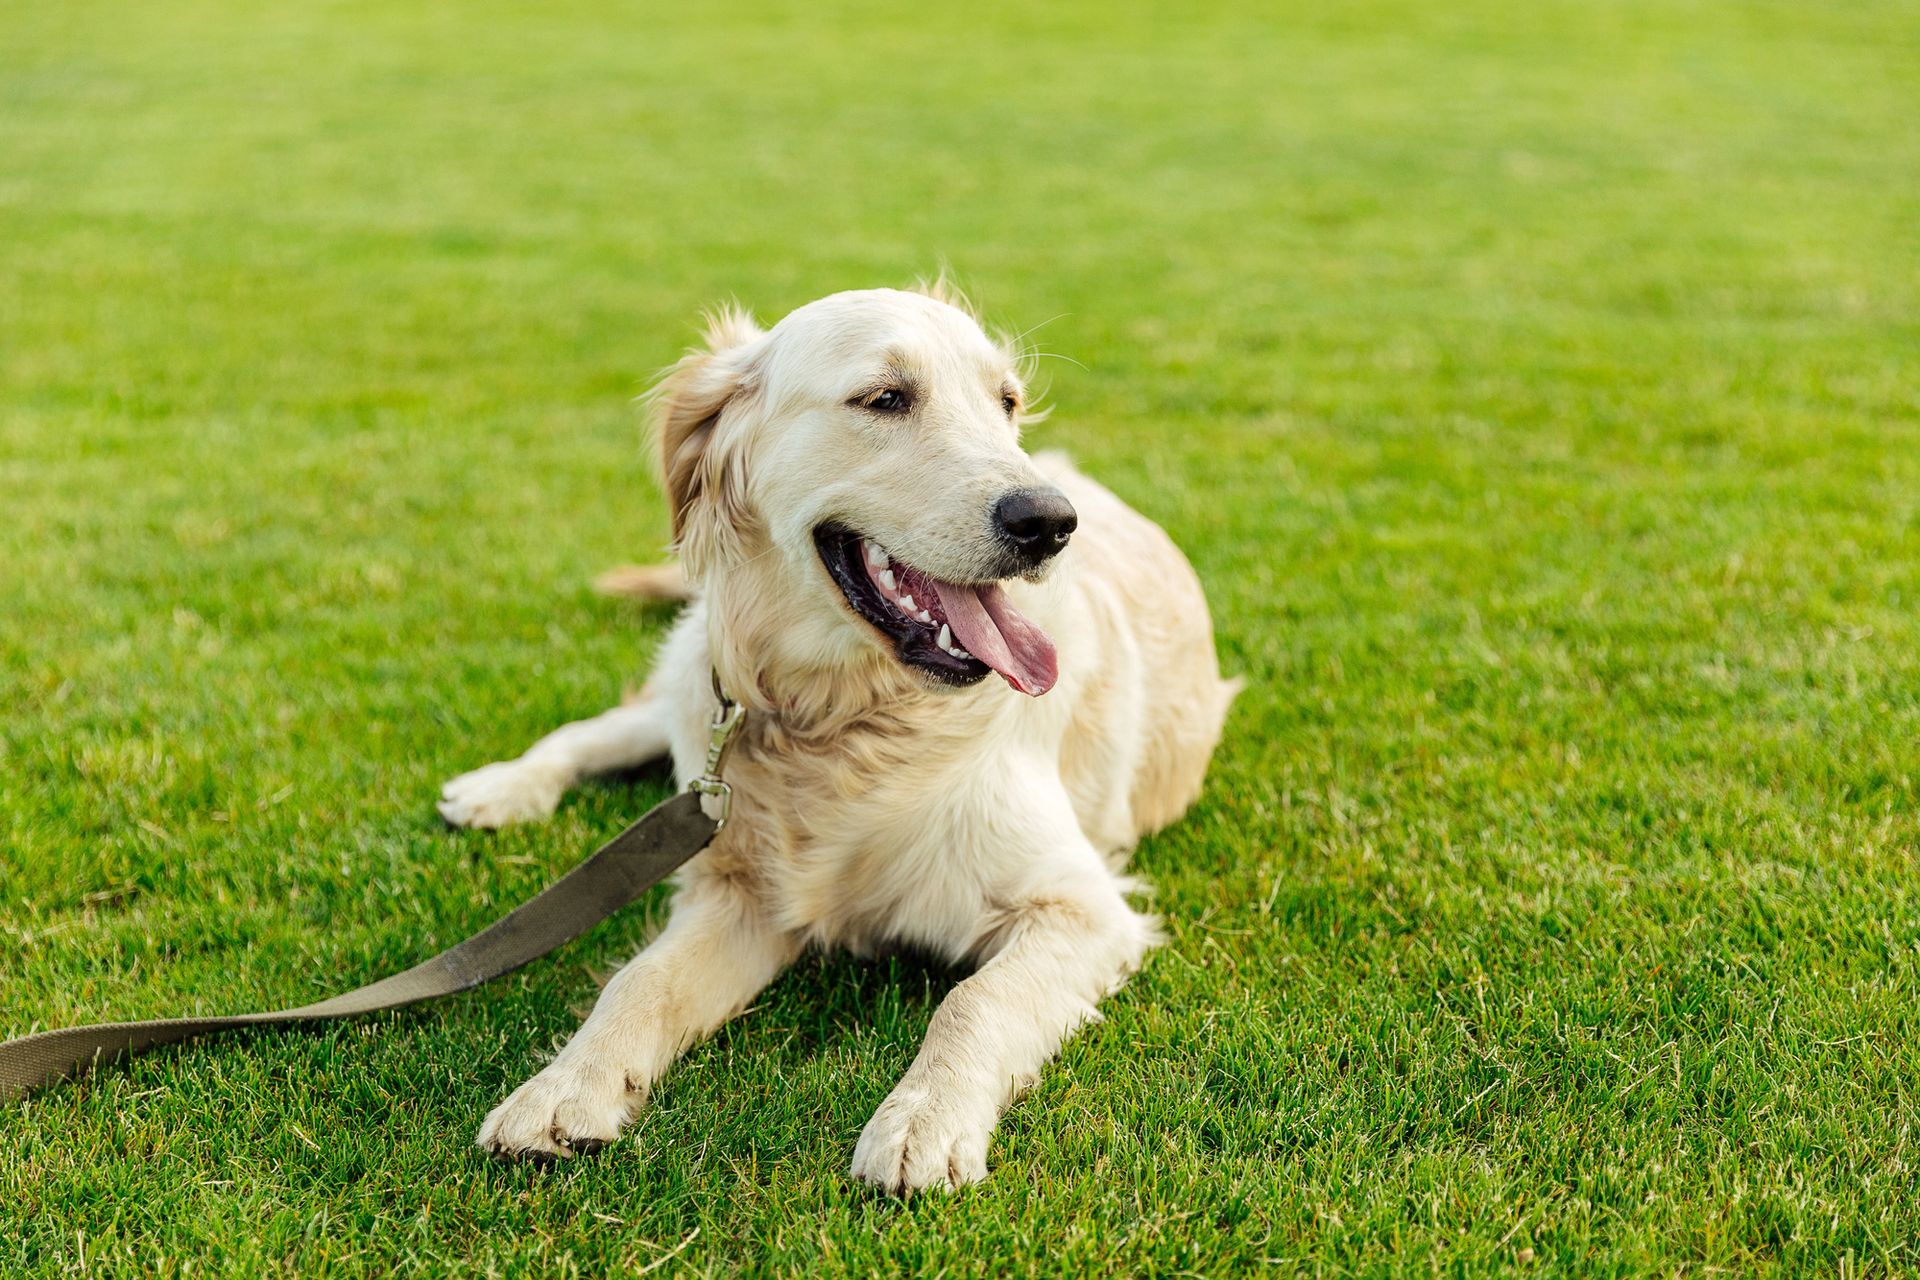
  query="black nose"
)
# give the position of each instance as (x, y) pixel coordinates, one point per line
(1037, 522)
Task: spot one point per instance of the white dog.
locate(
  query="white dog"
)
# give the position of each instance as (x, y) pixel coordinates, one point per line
(865, 545)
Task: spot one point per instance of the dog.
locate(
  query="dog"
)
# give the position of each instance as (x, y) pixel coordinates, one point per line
(972, 681)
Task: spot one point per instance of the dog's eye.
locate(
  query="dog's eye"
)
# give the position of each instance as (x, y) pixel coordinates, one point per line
(1009, 402)
(892, 400)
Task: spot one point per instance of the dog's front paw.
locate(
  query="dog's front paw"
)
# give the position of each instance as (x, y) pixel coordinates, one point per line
(922, 1138)
(559, 1113)
(511, 791)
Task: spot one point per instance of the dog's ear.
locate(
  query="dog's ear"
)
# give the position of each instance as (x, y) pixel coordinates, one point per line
(705, 481)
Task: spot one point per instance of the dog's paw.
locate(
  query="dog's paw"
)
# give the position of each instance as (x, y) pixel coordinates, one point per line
(511, 791)
(559, 1113)
(921, 1139)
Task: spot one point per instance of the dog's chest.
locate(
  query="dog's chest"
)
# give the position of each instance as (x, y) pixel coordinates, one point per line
(906, 877)
(875, 848)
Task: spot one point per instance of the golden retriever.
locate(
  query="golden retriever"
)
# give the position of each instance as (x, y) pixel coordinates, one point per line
(866, 548)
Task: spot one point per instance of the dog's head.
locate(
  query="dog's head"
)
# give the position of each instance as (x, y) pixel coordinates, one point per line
(848, 486)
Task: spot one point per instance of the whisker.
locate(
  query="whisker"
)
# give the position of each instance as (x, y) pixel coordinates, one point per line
(1031, 329)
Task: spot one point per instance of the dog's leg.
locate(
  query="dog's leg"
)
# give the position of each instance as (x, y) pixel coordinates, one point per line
(714, 956)
(530, 787)
(1060, 948)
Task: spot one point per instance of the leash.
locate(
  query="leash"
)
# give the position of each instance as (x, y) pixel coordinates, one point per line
(614, 875)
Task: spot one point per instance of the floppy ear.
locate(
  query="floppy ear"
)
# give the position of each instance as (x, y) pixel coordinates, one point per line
(704, 477)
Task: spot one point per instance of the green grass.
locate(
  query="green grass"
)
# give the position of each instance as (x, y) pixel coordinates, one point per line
(1534, 388)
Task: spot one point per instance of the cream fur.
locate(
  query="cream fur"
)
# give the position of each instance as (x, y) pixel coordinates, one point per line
(872, 810)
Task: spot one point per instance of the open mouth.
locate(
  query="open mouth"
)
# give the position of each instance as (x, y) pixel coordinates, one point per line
(955, 632)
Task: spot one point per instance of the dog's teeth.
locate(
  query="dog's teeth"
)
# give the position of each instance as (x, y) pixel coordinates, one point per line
(946, 637)
(875, 556)
(958, 652)
(888, 581)
(906, 604)
(923, 616)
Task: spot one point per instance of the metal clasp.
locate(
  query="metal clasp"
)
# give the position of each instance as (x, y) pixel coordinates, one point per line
(720, 734)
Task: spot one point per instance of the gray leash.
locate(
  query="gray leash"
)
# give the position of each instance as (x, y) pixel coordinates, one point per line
(614, 875)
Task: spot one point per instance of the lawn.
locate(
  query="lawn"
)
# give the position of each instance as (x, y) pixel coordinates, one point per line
(1536, 389)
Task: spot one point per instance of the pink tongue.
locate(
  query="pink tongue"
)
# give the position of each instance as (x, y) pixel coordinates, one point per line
(987, 625)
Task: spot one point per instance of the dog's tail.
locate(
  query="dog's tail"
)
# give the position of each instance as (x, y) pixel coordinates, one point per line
(644, 582)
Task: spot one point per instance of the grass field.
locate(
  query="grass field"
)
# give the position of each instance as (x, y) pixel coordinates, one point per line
(1536, 389)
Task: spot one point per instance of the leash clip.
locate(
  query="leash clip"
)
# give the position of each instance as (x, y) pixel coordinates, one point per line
(720, 734)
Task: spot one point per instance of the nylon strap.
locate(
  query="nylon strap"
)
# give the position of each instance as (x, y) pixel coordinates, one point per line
(621, 870)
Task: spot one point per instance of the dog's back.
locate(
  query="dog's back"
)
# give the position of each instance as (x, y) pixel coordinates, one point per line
(1137, 578)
